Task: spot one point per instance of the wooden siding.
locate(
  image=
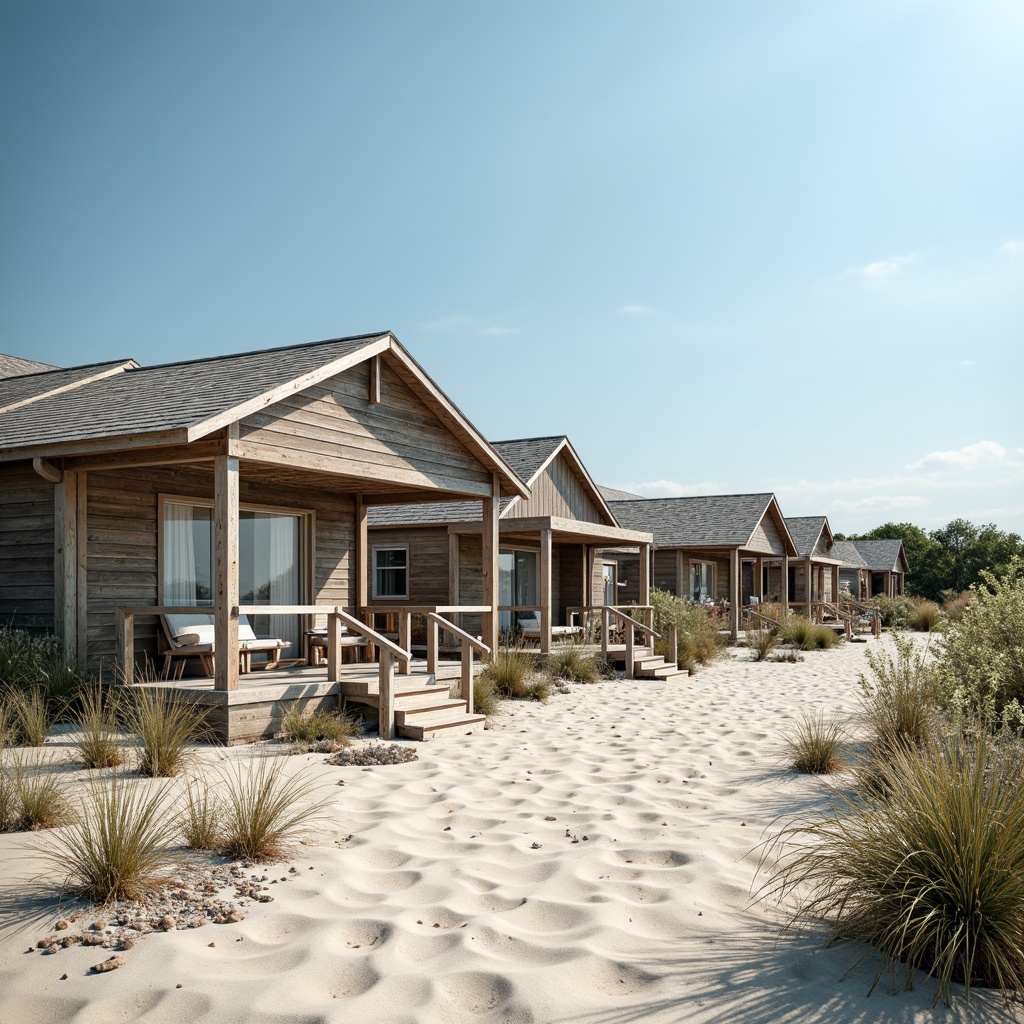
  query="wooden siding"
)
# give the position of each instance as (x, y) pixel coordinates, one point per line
(558, 491)
(665, 576)
(569, 586)
(334, 425)
(26, 548)
(766, 537)
(428, 564)
(122, 543)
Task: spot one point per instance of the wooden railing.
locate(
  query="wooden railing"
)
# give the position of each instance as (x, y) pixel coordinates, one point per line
(468, 643)
(858, 609)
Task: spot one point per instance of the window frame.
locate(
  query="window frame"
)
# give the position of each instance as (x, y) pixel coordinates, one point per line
(712, 593)
(374, 549)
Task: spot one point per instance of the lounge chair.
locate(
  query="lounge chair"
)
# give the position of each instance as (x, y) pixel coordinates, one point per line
(529, 624)
(191, 636)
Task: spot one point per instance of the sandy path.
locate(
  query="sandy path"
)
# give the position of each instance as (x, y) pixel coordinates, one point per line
(427, 902)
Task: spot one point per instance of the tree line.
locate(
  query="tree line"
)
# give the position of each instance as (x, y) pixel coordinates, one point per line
(950, 559)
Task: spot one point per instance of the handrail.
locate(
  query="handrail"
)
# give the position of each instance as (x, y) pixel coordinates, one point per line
(450, 627)
(378, 639)
(424, 609)
(628, 618)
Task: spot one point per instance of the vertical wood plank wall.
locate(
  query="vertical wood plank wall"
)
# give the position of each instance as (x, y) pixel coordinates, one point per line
(559, 492)
(26, 548)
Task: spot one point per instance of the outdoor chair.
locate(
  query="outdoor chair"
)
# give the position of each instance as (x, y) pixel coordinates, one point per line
(191, 635)
(529, 624)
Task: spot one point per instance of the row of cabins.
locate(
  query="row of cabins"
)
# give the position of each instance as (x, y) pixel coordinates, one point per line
(331, 495)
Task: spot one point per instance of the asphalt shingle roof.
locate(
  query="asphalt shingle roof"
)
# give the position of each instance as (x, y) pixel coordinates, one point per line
(525, 456)
(15, 366)
(805, 531)
(31, 385)
(721, 520)
(613, 494)
(875, 555)
(166, 397)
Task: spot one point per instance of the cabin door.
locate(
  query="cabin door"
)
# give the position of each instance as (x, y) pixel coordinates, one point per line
(517, 585)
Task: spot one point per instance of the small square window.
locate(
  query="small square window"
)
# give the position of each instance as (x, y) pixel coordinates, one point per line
(390, 572)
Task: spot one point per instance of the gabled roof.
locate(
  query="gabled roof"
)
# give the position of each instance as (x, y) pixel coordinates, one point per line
(612, 494)
(806, 531)
(875, 555)
(709, 521)
(528, 456)
(184, 401)
(15, 366)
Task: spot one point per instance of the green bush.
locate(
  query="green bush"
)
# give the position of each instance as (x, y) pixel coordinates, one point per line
(30, 662)
(320, 731)
(954, 605)
(700, 640)
(895, 611)
(925, 616)
(981, 660)
(930, 872)
(814, 743)
(573, 664)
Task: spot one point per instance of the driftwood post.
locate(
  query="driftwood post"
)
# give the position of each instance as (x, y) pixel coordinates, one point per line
(467, 675)
(386, 696)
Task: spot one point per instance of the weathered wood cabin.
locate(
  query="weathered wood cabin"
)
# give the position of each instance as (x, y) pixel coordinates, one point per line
(712, 549)
(872, 568)
(814, 579)
(237, 485)
(549, 558)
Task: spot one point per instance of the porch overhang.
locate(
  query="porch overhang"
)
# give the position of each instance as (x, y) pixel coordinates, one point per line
(571, 531)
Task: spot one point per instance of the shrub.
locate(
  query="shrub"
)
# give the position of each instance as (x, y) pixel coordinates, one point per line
(320, 731)
(164, 728)
(537, 689)
(201, 818)
(895, 611)
(509, 671)
(814, 743)
(29, 662)
(700, 640)
(36, 799)
(931, 872)
(899, 702)
(374, 755)
(762, 641)
(31, 714)
(573, 664)
(954, 605)
(485, 700)
(925, 616)
(808, 636)
(264, 808)
(981, 660)
(98, 741)
(119, 844)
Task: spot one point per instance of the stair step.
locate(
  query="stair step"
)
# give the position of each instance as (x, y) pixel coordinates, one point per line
(667, 672)
(365, 693)
(465, 723)
(644, 663)
(437, 711)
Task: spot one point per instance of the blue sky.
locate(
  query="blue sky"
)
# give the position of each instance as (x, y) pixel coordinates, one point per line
(724, 246)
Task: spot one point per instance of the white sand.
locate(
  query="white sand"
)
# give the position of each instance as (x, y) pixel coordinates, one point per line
(437, 909)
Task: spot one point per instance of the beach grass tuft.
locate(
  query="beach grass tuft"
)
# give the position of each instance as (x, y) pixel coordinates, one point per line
(321, 731)
(98, 741)
(164, 730)
(572, 663)
(815, 743)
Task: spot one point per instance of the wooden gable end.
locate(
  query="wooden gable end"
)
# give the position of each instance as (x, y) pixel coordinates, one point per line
(559, 491)
(766, 536)
(822, 548)
(334, 426)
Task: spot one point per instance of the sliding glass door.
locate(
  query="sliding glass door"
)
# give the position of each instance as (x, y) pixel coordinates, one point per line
(270, 564)
(517, 584)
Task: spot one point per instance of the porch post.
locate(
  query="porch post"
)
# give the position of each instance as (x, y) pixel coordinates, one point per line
(362, 566)
(489, 545)
(645, 574)
(680, 574)
(65, 562)
(225, 608)
(808, 587)
(784, 585)
(734, 594)
(545, 591)
(835, 585)
(759, 580)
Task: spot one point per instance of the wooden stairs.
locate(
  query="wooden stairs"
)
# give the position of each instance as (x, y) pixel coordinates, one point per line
(648, 665)
(423, 707)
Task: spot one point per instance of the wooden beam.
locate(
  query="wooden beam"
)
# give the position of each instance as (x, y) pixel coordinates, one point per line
(489, 555)
(545, 591)
(225, 572)
(47, 470)
(645, 574)
(375, 380)
(453, 569)
(809, 588)
(362, 557)
(680, 574)
(734, 594)
(159, 455)
(784, 584)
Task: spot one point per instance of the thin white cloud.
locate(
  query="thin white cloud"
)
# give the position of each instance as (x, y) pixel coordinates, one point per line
(671, 489)
(446, 323)
(961, 458)
(501, 330)
(884, 270)
(635, 309)
(966, 362)
(1012, 248)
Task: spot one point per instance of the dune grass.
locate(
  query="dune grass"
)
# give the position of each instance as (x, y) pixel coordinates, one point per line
(815, 742)
(509, 672)
(164, 731)
(201, 818)
(899, 700)
(264, 808)
(33, 798)
(930, 872)
(119, 846)
(925, 616)
(319, 731)
(762, 641)
(808, 636)
(573, 664)
(29, 661)
(485, 699)
(31, 714)
(98, 742)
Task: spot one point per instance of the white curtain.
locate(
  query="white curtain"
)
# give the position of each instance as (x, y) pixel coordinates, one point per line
(179, 555)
